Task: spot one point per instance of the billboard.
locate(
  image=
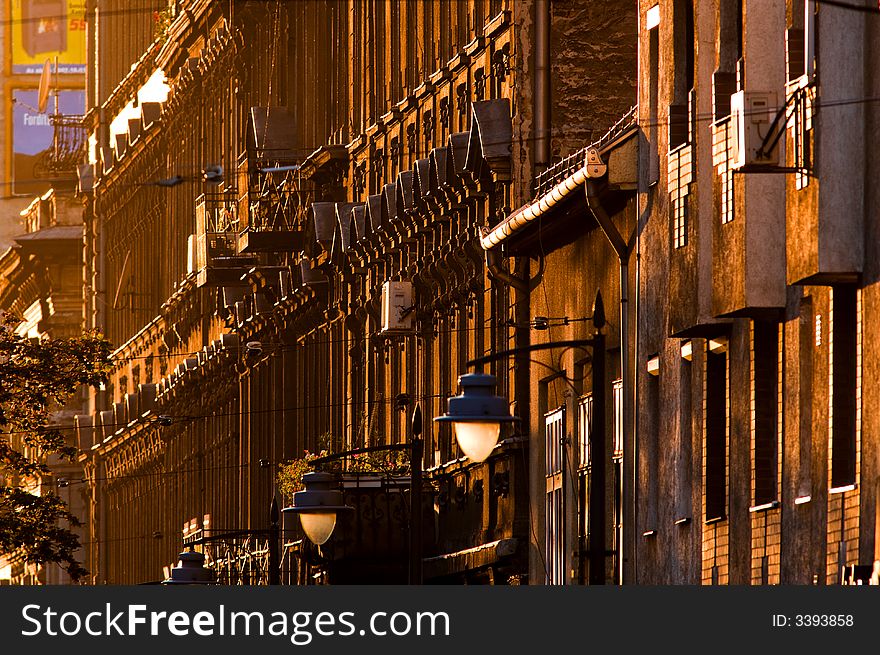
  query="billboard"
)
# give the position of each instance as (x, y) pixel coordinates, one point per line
(32, 137)
(46, 29)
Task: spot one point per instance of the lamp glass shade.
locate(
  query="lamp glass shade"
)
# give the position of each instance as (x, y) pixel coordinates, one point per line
(318, 526)
(477, 438)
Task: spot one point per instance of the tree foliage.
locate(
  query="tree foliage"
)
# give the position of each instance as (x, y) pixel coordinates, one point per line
(37, 377)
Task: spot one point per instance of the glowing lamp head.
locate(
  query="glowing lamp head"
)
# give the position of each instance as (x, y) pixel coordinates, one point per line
(318, 526)
(318, 505)
(477, 439)
(476, 415)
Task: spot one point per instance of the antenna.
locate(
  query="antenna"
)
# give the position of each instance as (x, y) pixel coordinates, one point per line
(45, 87)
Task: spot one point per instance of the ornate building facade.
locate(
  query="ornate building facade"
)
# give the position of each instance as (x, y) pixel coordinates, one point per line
(263, 177)
(251, 190)
(40, 284)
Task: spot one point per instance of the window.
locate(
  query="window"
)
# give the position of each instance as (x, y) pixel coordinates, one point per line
(679, 221)
(681, 111)
(800, 38)
(585, 415)
(727, 189)
(617, 391)
(795, 41)
(554, 521)
(654, 92)
(726, 81)
(584, 418)
(617, 466)
(806, 346)
(716, 435)
(396, 78)
(681, 114)
(651, 455)
(843, 351)
(799, 63)
(810, 7)
(740, 47)
(765, 407)
(683, 464)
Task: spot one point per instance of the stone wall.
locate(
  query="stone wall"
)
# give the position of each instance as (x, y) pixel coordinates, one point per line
(593, 70)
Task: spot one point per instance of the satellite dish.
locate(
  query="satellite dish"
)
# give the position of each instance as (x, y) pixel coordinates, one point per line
(45, 86)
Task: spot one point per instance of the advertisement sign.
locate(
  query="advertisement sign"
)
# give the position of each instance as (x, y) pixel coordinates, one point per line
(46, 29)
(32, 137)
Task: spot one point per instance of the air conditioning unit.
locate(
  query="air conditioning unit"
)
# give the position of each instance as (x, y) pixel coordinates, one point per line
(398, 307)
(751, 114)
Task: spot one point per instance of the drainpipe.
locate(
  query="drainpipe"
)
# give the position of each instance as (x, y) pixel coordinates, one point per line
(593, 187)
(496, 272)
(542, 82)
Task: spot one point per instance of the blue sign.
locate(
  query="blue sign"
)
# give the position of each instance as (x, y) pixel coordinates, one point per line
(33, 136)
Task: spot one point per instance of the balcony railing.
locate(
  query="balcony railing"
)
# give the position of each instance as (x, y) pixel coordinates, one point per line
(270, 203)
(68, 148)
(555, 174)
(217, 223)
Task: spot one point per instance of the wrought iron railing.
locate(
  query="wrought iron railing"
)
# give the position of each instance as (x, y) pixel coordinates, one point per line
(216, 224)
(237, 558)
(555, 174)
(272, 197)
(68, 147)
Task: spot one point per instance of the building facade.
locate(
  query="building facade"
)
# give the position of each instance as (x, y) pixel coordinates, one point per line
(40, 284)
(304, 219)
(251, 191)
(753, 358)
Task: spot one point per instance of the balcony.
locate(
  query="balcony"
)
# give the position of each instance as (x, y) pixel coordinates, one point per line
(824, 213)
(748, 275)
(749, 177)
(269, 183)
(215, 257)
(269, 205)
(60, 162)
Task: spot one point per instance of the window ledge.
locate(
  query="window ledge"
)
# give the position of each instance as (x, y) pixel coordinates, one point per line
(764, 507)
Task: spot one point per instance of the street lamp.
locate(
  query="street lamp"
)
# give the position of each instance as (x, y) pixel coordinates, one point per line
(476, 415)
(190, 570)
(317, 506)
(321, 500)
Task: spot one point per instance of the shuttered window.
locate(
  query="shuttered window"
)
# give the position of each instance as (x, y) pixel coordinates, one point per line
(765, 401)
(584, 418)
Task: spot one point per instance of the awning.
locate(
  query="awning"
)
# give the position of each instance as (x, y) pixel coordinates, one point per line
(525, 215)
(574, 171)
(469, 559)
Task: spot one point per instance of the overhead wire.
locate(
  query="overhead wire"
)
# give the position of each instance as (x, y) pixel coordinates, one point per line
(176, 178)
(154, 419)
(825, 104)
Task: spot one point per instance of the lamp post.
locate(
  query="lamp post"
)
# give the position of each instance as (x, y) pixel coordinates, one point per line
(476, 416)
(321, 501)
